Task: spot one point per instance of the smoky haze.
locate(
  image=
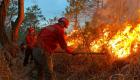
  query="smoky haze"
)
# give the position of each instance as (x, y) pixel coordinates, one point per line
(118, 11)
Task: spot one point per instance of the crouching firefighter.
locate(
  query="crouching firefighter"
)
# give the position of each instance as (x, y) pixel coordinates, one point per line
(47, 41)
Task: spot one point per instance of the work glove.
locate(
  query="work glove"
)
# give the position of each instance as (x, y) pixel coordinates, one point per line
(69, 51)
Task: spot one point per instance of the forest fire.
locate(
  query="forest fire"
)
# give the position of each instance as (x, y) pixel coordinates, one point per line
(74, 39)
(122, 44)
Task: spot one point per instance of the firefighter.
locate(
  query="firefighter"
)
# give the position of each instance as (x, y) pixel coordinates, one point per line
(30, 43)
(22, 47)
(47, 40)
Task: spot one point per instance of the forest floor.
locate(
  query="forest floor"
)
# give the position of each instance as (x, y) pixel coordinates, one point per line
(81, 67)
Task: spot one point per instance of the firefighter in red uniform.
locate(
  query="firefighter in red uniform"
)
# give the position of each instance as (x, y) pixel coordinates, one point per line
(48, 38)
(30, 42)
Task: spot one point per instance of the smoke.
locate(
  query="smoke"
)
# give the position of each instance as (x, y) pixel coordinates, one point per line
(118, 11)
(1, 1)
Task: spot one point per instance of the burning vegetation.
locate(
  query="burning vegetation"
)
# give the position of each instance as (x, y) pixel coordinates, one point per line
(118, 35)
(120, 44)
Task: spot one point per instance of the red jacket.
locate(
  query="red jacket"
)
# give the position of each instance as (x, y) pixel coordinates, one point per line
(30, 40)
(50, 36)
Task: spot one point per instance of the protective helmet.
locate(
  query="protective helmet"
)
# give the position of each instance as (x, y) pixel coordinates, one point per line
(31, 29)
(65, 21)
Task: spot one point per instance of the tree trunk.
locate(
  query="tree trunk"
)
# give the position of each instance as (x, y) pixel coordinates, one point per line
(3, 11)
(16, 25)
(4, 40)
(76, 20)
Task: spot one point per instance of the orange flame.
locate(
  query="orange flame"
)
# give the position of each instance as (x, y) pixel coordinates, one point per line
(74, 39)
(120, 45)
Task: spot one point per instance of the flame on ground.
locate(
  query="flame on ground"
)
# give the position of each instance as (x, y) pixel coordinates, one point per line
(119, 43)
(122, 44)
